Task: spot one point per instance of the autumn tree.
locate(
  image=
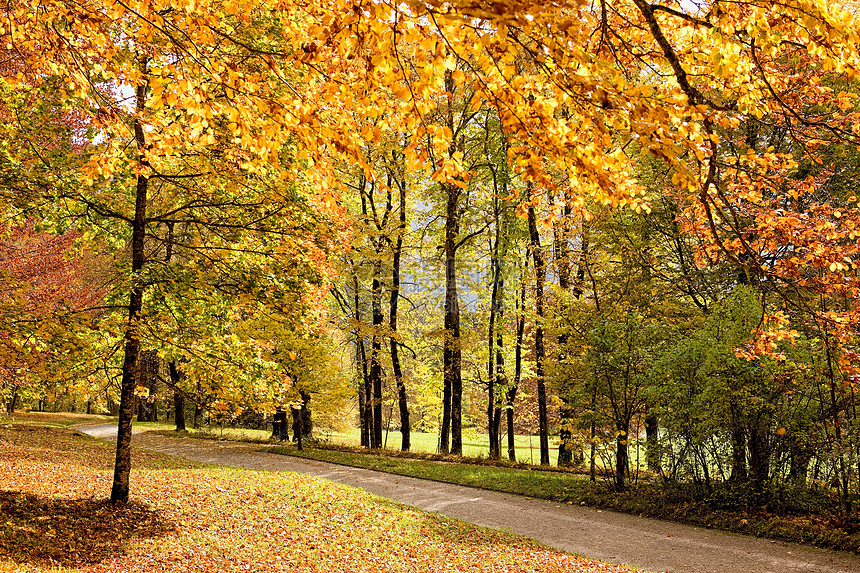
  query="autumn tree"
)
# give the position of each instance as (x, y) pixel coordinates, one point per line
(49, 287)
(234, 100)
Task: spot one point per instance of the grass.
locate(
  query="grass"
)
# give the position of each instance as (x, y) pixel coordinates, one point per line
(53, 419)
(474, 445)
(195, 518)
(529, 482)
(804, 516)
(808, 516)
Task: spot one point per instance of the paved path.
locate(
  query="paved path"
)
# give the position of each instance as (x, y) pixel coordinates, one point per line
(648, 544)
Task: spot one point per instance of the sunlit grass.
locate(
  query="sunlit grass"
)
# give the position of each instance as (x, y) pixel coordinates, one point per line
(188, 518)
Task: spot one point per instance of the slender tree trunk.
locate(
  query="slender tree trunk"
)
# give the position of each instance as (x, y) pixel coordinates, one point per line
(759, 451)
(653, 455)
(362, 399)
(445, 427)
(172, 366)
(561, 235)
(122, 465)
(621, 456)
(452, 355)
(361, 365)
(302, 422)
(376, 360)
(298, 430)
(518, 368)
(592, 462)
(13, 401)
(491, 357)
(453, 391)
(501, 381)
(405, 435)
(540, 279)
(739, 448)
(178, 397)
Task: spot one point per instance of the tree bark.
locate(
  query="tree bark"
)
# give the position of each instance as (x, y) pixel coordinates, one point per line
(452, 358)
(376, 361)
(361, 365)
(122, 465)
(621, 456)
(759, 451)
(298, 430)
(13, 401)
(491, 358)
(405, 435)
(518, 369)
(178, 407)
(561, 237)
(739, 450)
(302, 422)
(540, 279)
(653, 455)
(452, 354)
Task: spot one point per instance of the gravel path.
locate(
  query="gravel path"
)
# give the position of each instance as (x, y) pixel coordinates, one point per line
(648, 544)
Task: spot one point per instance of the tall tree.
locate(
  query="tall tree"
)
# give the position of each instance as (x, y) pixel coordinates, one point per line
(539, 350)
(397, 180)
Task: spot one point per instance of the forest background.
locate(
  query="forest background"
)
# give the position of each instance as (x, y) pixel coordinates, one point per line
(589, 221)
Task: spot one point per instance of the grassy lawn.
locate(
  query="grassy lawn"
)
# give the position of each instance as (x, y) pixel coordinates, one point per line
(808, 517)
(53, 419)
(558, 486)
(190, 517)
(474, 445)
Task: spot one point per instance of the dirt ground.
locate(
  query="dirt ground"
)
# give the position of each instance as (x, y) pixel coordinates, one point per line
(647, 544)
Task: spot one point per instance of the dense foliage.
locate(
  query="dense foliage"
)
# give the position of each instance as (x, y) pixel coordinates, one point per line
(591, 220)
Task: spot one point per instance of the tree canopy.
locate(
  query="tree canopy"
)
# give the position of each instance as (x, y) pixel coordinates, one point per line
(220, 150)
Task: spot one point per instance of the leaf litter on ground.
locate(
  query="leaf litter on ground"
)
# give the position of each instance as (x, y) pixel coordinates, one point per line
(54, 515)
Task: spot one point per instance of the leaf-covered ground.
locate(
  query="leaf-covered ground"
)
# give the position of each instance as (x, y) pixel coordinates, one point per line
(187, 517)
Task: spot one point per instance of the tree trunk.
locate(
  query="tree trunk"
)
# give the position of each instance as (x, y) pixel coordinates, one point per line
(405, 435)
(561, 236)
(621, 456)
(452, 355)
(298, 430)
(653, 454)
(302, 422)
(376, 361)
(518, 368)
(13, 401)
(361, 365)
(451, 359)
(501, 382)
(540, 279)
(492, 356)
(799, 467)
(759, 451)
(179, 410)
(739, 452)
(122, 465)
(362, 398)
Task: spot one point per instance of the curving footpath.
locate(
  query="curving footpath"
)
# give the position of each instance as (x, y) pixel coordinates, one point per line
(647, 544)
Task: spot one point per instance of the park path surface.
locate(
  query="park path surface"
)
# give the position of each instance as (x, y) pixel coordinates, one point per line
(648, 544)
